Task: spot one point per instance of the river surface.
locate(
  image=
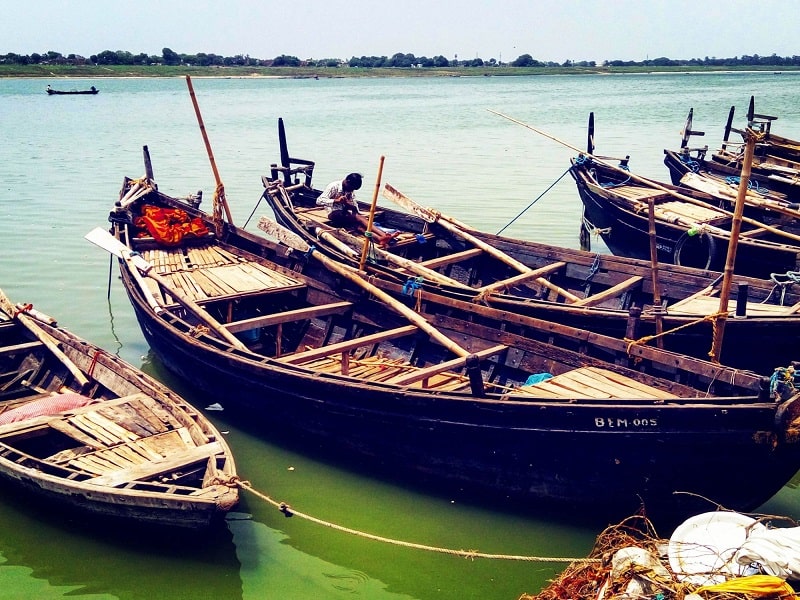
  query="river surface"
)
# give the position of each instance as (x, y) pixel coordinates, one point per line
(62, 163)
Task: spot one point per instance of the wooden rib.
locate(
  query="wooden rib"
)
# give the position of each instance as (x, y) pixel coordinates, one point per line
(347, 345)
(288, 316)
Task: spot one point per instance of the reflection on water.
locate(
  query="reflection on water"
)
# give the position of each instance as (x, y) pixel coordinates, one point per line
(269, 565)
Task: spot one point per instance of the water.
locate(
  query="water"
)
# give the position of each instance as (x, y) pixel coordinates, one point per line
(62, 162)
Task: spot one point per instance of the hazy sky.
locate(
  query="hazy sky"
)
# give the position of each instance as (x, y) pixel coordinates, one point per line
(502, 29)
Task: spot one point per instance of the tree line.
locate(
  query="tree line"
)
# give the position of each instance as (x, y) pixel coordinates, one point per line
(398, 60)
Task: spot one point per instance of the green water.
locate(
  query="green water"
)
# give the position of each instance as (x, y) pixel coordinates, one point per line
(62, 162)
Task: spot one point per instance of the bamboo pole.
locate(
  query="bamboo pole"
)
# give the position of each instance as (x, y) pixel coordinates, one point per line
(368, 232)
(219, 193)
(651, 183)
(727, 276)
(651, 217)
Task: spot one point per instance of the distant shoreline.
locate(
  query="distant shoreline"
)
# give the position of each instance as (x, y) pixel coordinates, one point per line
(116, 71)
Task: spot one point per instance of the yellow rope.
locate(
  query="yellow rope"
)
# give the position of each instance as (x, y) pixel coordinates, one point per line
(647, 338)
(471, 554)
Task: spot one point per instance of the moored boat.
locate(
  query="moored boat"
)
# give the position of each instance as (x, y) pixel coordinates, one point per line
(690, 227)
(611, 295)
(81, 429)
(461, 395)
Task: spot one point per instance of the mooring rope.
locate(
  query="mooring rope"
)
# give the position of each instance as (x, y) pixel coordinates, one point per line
(471, 554)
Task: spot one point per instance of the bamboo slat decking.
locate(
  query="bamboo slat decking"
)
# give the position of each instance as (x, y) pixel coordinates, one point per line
(210, 272)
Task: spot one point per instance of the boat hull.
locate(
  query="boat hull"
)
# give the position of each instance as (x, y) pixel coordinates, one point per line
(602, 460)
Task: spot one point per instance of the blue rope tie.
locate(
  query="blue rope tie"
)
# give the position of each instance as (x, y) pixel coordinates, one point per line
(309, 252)
(412, 285)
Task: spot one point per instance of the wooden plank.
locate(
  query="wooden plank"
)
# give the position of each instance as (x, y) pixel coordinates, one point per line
(653, 392)
(594, 381)
(154, 468)
(616, 290)
(348, 345)
(16, 348)
(455, 257)
(76, 434)
(288, 316)
(522, 278)
(426, 372)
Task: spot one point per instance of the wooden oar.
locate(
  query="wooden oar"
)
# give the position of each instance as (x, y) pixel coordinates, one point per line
(31, 325)
(392, 194)
(139, 266)
(294, 241)
(653, 184)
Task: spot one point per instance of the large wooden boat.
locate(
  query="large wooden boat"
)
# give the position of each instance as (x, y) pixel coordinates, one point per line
(83, 430)
(491, 402)
(605, 294)
(690, 227)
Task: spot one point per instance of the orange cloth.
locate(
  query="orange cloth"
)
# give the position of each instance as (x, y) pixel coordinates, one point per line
(169, 225)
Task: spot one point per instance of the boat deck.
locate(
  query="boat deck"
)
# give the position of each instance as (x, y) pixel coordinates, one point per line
(120, 441)
(209, 272)
(592, 382)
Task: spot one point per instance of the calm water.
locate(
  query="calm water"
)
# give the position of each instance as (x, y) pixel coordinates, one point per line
(62, 162)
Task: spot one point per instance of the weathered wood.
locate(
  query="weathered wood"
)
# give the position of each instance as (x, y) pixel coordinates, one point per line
(288, 316)
(426, 372)
(616, 290)
(151, 469)
(522, 278)
(347, 345)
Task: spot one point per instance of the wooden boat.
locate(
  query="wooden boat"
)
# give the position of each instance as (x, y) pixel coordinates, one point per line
(83, 430)
(452, 393)
(601, 293)
(691, 229)
(769, 182)
(51, 92)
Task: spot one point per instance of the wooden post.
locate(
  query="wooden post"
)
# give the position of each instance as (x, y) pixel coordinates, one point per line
(736, 226)
(148, 165)
(219, 193)
(368, 232)
(651, 212)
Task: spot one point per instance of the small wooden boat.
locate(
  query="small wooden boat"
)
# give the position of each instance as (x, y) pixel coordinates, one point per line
(601, 293)
(83, 430)
(691, 229)
(771, 182)
(453, 393)
(91, 91)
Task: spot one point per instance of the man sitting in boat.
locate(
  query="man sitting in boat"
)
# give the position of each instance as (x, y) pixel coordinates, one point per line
(340, 201)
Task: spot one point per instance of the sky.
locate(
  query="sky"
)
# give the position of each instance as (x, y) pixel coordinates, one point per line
(550, 30)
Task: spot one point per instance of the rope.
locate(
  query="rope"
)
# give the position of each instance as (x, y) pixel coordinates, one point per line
(534, 201)
(22, 309)
(648, 338)
(471, 554)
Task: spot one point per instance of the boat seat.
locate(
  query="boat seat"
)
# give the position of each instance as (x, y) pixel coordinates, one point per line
(593, 382)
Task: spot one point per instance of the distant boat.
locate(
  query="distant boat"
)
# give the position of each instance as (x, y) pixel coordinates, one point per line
(92, 90)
